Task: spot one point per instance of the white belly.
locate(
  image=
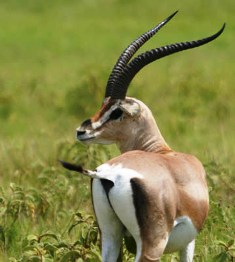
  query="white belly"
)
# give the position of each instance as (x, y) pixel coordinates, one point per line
(182, 233)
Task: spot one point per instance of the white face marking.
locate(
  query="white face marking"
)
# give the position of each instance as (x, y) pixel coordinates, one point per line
(104, 118)
(97, 124)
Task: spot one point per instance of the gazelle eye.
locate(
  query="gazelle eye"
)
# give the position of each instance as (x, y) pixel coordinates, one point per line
(116, 114)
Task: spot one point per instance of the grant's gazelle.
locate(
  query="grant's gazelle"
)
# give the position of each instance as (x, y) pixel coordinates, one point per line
(158, 195)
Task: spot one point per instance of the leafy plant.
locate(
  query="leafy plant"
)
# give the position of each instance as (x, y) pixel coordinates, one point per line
(52, 77)
(227, 252)
(53, 247)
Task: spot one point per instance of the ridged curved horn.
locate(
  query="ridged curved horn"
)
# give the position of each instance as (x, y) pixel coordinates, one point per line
(127, 54)
(119, 92)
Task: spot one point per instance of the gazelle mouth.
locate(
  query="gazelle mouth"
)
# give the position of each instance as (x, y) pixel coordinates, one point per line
(84, 135)
(84, 138)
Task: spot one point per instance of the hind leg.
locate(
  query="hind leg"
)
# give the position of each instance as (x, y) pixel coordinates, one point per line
(186, 255)
(111, 228)
(152, 251)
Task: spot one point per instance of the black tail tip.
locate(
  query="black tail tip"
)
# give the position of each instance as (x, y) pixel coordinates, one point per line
(70, 166)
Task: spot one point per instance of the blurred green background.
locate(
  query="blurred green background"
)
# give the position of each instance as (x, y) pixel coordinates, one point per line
(55, 58)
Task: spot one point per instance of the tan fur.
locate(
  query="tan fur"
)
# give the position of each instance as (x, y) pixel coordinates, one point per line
(181, 174)
(174, 183)
(133, 132)
(175, 186)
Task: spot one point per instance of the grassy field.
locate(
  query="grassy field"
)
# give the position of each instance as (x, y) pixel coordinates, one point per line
(55, 58)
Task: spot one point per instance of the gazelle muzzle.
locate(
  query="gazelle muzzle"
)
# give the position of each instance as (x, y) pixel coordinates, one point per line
(84, 132)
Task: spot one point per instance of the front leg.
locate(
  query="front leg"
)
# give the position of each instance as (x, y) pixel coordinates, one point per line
(110, 226)
(186, 255)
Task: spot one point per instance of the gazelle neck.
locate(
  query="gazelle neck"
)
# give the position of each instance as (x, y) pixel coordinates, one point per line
(145, 142)
(143, 134)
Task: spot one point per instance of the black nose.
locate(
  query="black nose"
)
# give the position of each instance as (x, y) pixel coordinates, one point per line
(86, 123)
(80, 133)
(82, 129)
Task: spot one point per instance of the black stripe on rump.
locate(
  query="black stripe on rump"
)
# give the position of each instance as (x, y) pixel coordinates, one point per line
(140, 200)
(107, 185)
(153, 214)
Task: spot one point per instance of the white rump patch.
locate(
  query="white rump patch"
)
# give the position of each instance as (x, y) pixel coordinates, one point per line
(116, 173)
(120, 196)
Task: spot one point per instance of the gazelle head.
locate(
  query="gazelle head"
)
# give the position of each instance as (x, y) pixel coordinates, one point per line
(124, 120)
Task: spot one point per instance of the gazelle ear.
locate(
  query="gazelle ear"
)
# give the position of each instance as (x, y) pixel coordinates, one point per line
(130, 107)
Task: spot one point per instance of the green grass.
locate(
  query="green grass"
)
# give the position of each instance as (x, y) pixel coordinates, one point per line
(55, 58)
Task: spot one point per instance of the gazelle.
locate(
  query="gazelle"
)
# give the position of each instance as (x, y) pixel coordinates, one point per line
(156, 194)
